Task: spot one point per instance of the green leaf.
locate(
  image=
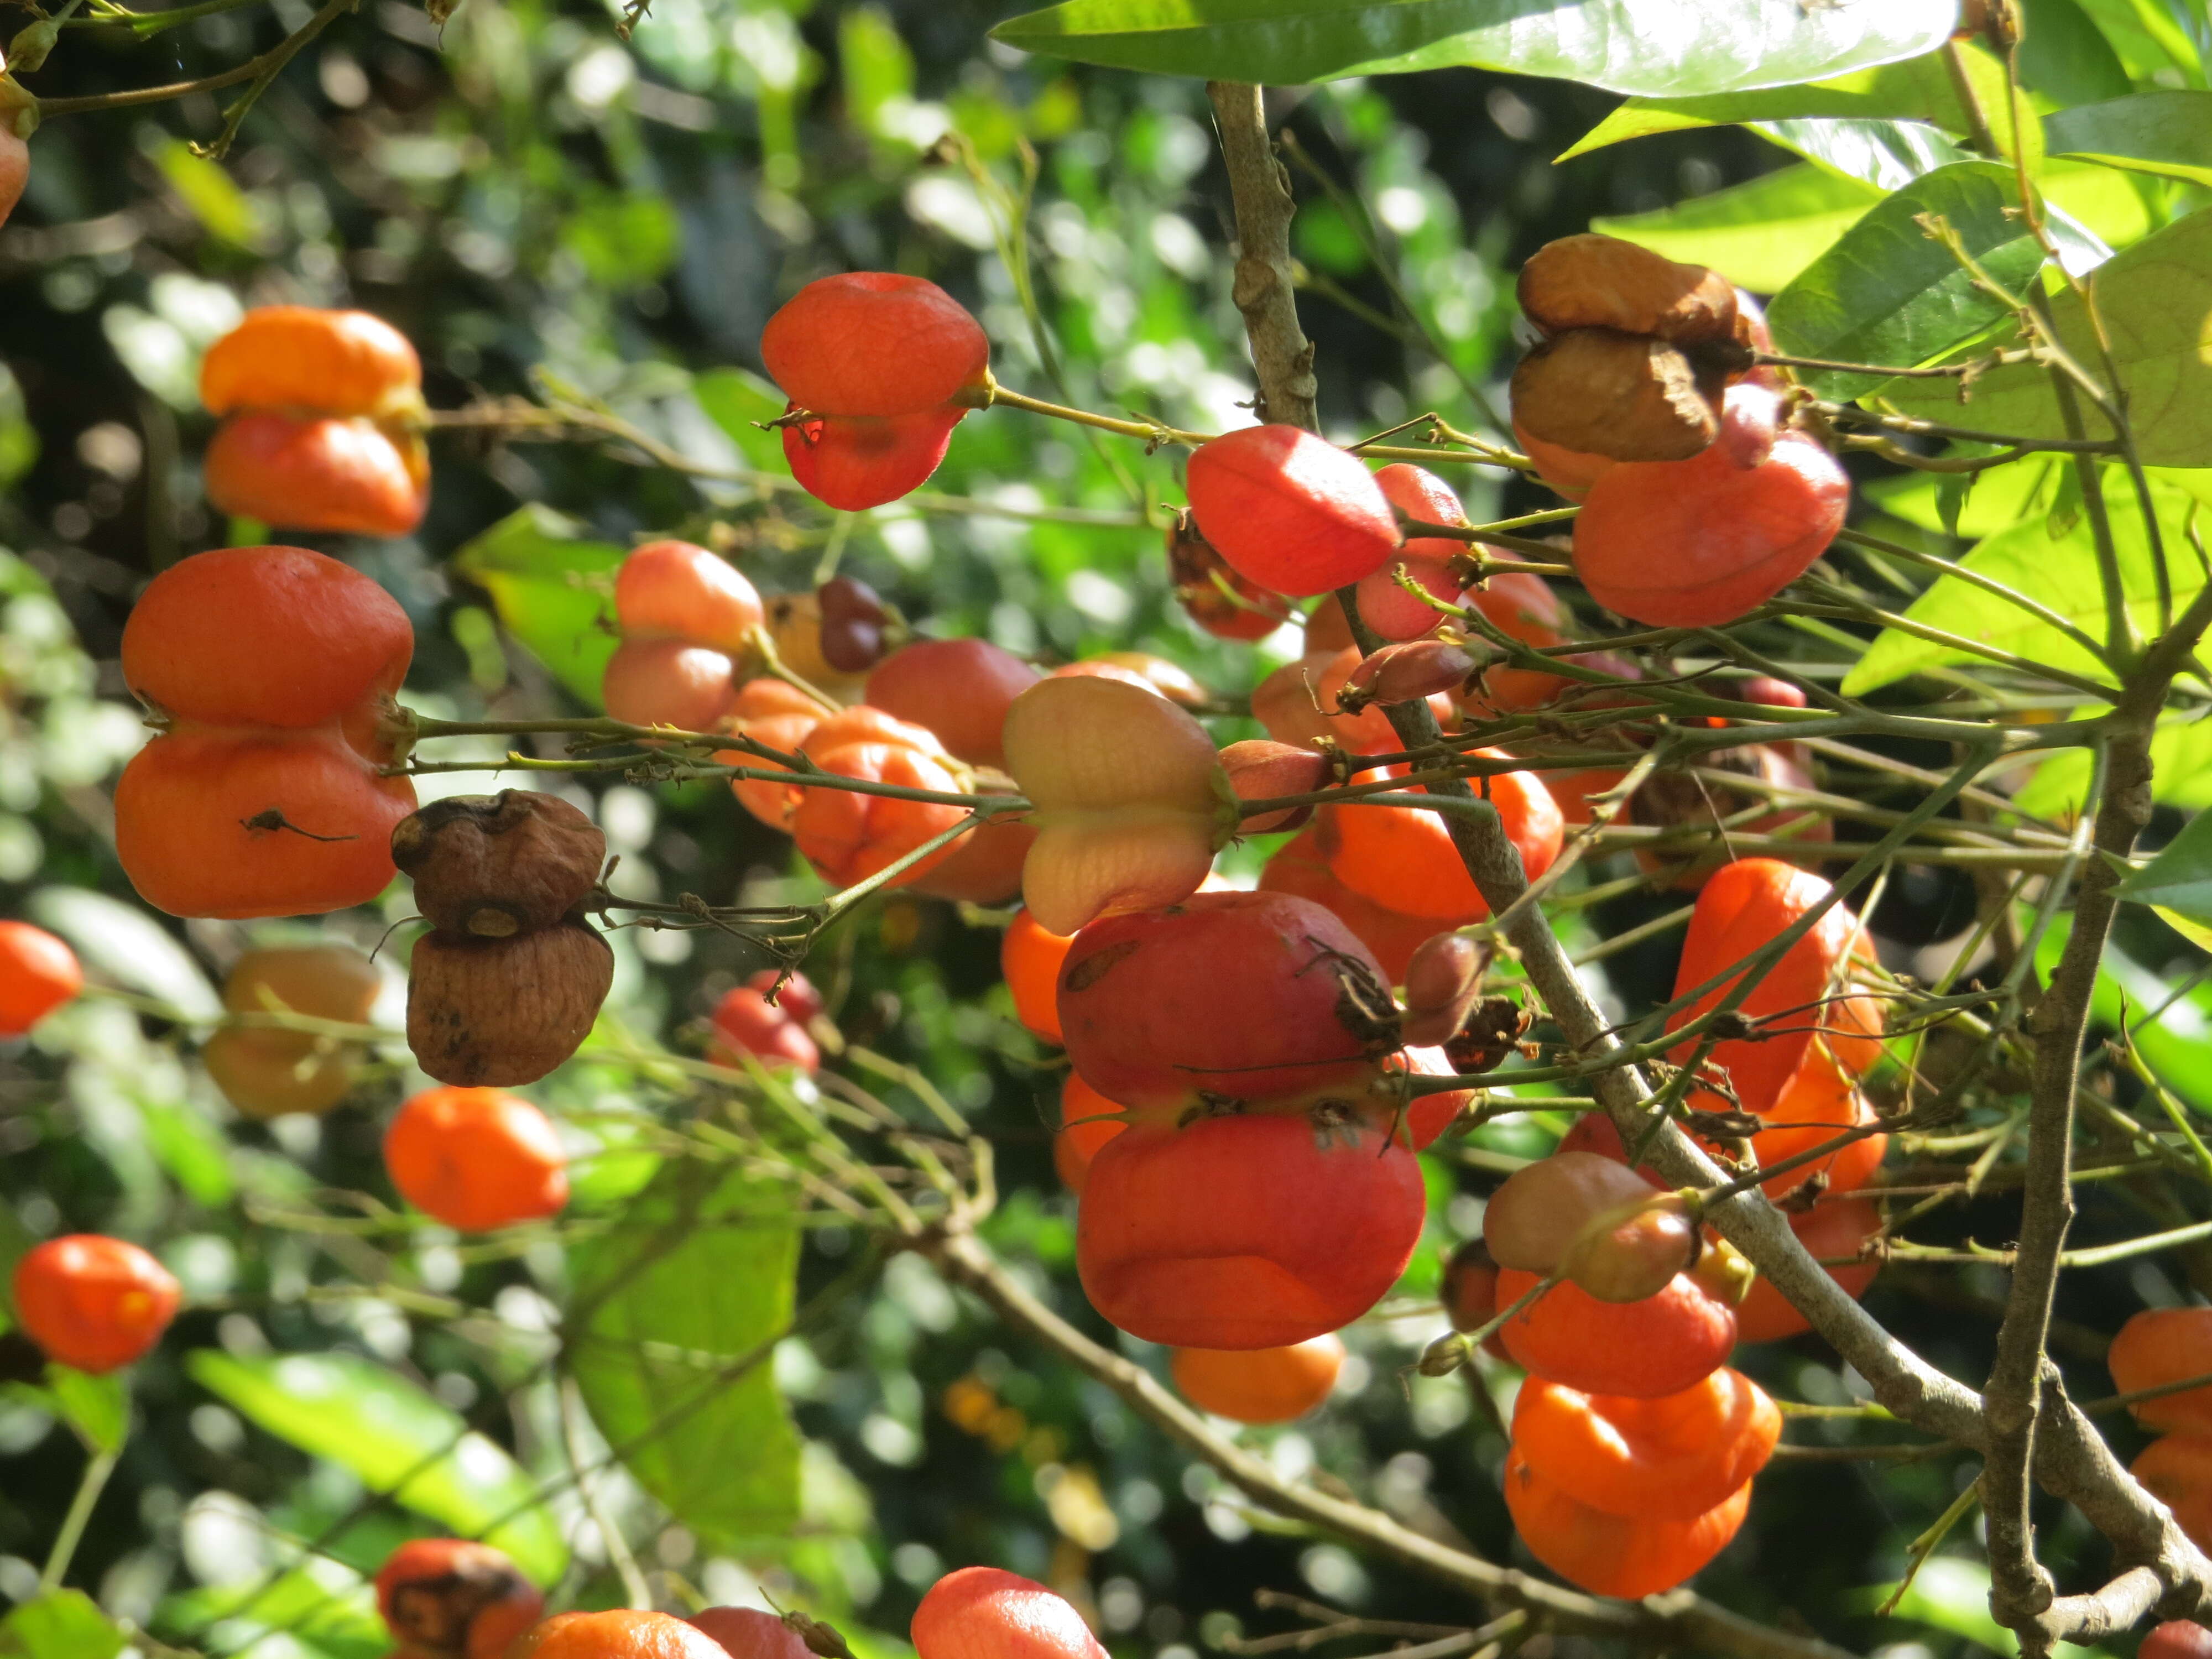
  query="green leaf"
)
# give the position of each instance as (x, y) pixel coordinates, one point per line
(1674, 48)
(1887, 155)
(59, 1625)
(2168, 133)
(2181, 774)
(675, 1314)
(1918, 89)
(2180, 877)
(2059, 572)
(97, 1408)
(324, 1605)
(2155, 301)
(1887, 293)
(553, 591)
(398, 1439)
(224, 210)
(2065, 58)
(1760, 234)
(122, 942)
(2177, 1045)
(735, 400)
(623, 238)
(1994, 499)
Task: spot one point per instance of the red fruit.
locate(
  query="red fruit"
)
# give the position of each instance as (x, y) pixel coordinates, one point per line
(1698, 543)
(1251, 997)
(959, 689)
(1213, 595)
(1829, 1231)
(667, 682)
(14, 166)
(1660, 1345)
(1532, 1220)
(1327, 629)
(874, 343)
(1402, 857)
(1030, 957)
(38, 974)
(1384, 604)
(2177, 1638)
(92, 1303)
(1470, 1292)
(325, 639)
(1818, 1103)
(1300, 869)
(981, 1613)
(1087, 1122)
(301, 357)
(773, 1033)
(848, 836)
(1427, 1117)
(1673, 1455)
(1633, 1251)
(445, 1598)
(672, 589)
(2177, 1470)
(1442, 979)
(1609, 1554)
(855, 462)
(1290, 511)
(620, 1634)
(1570, 472)
(751, 1634)
(1259, 1385)
(1741, 909)
(343, 475)
(1250, 1231)
(985, 866)
(2165, 1345)
(1260, 769)
(477, 1159)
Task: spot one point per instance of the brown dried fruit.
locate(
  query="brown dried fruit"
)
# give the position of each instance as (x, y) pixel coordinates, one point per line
(1620, 395)
(498, 1012)
(1591, 281)
(492, 867)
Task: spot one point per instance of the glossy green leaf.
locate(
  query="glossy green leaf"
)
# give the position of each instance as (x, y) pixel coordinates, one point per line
(1887, 155)
(737, 402)
(2060, 571)
(224, 210)
(553, 591)
(59, 1625)
(2064, 57)
(1759, 234)
(126, 944)
(2181, 774)
(1672, 48)
(674, 1319)
(2177, 1044)
(1994, 499)
(2168, 133)
(1918, 89)
(2180, 877)
(2155, 301)
(398, 1439)
(1888, 293)
(324, 1605)
(97, 1408)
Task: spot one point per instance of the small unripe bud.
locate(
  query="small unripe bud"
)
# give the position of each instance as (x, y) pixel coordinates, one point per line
(1446, 1355)
(1260, 769)
(1633, 1251)
(1407, 672)
(1443, 981)
(1725, 1274)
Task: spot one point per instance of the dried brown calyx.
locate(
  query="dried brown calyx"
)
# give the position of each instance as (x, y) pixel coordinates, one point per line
(1591, 281)
(493, 867)
(1628, 396)
(499, 1013)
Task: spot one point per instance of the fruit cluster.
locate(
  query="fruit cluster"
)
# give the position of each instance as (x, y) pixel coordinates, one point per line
(322, 415)
(2158, 1348)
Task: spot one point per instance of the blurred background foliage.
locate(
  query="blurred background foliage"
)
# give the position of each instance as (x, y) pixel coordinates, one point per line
(547, 209)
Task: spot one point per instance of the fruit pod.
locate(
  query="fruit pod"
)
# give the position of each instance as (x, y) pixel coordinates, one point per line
(983, 1612)
(267, 1071)
(1260, 768)
(751, 1633)
(677, 591)
(1212, 593)
(1599, 393)
(1259, 1385)
(1290, 511)
(446, 1598)
(496, 1012)
(1406, 673)
(1593, 280)
(342, 475)
(492, 867)
(92, 1303)
(1610, 1554)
